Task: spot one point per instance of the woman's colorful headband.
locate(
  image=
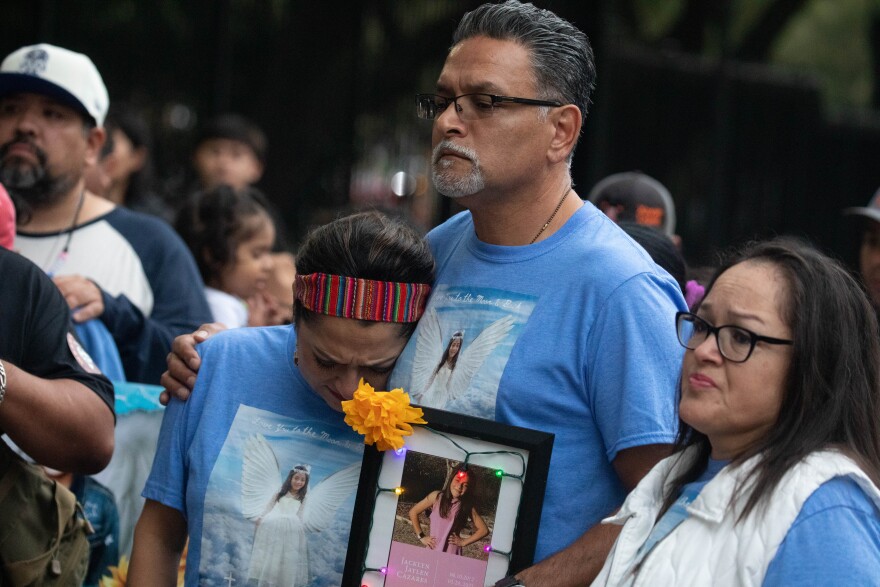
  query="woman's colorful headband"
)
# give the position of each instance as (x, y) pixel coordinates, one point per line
(362, 299)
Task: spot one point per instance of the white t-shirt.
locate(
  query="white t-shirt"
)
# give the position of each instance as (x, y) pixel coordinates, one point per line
(226, 308)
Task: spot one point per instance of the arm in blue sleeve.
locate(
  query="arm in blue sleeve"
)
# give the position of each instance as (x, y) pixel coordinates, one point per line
(633, 364)
(169, 476)
(835, 540)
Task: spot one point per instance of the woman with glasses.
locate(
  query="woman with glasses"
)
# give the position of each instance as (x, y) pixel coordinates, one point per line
(774, 480)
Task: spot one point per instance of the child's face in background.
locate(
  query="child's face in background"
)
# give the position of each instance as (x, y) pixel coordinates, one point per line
(250, 270)
(225, 161)
(280, 287)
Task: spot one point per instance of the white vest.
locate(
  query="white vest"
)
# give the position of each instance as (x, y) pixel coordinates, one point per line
(709, 547)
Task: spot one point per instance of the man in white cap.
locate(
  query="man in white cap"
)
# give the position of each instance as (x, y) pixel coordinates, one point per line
(109, 263)
(869, 252)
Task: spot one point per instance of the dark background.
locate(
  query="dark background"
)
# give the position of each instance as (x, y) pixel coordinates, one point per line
(761, 116)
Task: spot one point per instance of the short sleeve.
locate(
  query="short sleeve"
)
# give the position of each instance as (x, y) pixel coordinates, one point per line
(169, 477)
(167, 481)
(634, 363)
(36, 332)
(835, 540)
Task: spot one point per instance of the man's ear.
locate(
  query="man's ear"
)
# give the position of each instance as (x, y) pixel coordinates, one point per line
(567, 121)
(94, 143)
(140, 157)
(256, 171)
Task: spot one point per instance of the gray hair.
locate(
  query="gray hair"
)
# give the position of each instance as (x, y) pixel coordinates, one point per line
(562, 58)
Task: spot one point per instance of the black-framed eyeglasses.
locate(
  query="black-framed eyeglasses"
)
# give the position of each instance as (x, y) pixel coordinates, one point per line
(734, 343)
(470, 106)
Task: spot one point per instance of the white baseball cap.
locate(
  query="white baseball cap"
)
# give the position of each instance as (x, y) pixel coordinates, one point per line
(62, 74)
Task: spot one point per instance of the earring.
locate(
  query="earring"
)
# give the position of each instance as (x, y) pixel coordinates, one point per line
(296, 358)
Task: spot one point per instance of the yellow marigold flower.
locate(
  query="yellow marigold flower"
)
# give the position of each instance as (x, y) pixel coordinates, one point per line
(119, 574)
(181, 566)
(383, 417)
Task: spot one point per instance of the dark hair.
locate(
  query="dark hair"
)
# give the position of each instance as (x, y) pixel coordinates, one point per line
(136, 129)
(109, 144)
(285, 487)
(467, 500)
(213, 223)
(445, 358)
(366, 245)
(661, 249)
(236, 128)
(562, 59)
(831, 395)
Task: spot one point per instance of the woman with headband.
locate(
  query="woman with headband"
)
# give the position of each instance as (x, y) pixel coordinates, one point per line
(267, 399)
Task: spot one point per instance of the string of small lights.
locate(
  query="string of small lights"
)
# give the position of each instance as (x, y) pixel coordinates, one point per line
(398, 491)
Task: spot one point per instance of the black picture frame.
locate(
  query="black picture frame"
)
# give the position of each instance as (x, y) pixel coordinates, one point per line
(469, 432)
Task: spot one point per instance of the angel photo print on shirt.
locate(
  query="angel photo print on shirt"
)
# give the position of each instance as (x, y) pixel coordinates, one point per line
(279, 502)
(463, 343)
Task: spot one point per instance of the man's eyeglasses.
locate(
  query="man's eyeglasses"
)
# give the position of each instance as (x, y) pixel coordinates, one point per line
(734, 343)
(470, 106)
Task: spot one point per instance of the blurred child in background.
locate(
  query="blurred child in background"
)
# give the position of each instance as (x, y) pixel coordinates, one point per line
(231, 150)
(280, 287)
(230, 234)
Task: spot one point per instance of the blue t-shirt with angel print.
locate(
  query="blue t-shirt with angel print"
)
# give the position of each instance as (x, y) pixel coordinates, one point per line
(573, 335)
(224, 456)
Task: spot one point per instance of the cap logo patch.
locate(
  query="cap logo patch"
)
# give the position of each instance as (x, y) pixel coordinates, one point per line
(34, 62)
(649, 215)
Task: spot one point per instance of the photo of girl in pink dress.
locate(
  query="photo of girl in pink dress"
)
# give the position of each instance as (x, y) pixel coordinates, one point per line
(450, 508)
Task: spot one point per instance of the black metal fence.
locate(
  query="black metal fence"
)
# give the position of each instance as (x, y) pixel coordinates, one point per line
(745, 150)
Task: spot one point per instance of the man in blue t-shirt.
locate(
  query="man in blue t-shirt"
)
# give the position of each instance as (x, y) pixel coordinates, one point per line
(544, 313)
(559, 321)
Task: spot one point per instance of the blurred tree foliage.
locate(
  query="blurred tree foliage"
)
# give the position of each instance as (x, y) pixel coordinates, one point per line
(836, 40)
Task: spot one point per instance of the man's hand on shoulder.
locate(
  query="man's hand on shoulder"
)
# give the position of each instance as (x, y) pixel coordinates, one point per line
(84, 298)
(184, 363)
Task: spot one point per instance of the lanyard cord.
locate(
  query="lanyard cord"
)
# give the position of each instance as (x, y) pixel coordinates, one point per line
(62, 256)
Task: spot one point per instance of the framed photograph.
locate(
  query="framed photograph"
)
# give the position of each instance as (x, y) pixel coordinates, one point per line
(458, 506)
